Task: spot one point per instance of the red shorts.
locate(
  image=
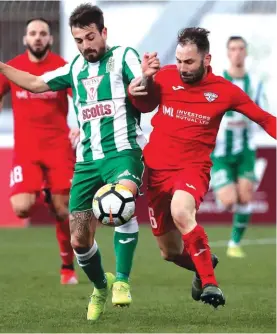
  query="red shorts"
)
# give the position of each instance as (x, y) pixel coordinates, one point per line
(161, 187)
(51, 169)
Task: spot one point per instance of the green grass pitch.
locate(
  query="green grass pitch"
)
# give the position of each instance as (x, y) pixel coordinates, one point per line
(32, 300)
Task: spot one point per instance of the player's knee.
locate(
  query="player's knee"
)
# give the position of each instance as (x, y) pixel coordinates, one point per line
(245, 198)
(130, 185)
(61, 213)
(78, 241)
(182, 216)
(22, 209)
(59, 207)
(21, 212)
(227, 202)
(183, 210)
(246, 190)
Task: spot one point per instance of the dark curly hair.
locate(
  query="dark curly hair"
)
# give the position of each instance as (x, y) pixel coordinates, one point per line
(197, 36)
(86, 14)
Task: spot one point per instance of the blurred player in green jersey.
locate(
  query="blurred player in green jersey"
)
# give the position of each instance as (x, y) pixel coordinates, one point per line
(233, 177)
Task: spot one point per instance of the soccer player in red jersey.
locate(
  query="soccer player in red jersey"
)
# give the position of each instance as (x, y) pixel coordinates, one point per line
(191, 101)
(42, 151)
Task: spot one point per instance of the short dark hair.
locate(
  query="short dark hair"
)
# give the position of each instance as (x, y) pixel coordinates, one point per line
(39, 19)
(236, 38)
(197, 36)
(86, 14)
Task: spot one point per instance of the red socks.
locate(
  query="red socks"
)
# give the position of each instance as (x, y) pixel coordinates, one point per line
(63, 237)
(196, 244)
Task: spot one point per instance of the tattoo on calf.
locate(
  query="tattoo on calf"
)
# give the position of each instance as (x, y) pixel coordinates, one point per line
(80, 223)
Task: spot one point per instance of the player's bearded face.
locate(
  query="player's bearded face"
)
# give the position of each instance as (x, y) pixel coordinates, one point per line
(90, 42)
(93, 53)
(191, 63)
(38, 51)
(195, 75)
(38, 39)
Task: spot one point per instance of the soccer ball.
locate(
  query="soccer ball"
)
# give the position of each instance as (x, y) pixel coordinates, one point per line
(113, 205)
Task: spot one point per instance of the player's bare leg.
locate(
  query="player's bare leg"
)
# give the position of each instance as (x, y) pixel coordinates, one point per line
(58, 204)
(227, 196)
(22, 204)
(196, 243)
(125, 242)
(172, 249)
(171, 246)
(82, 228)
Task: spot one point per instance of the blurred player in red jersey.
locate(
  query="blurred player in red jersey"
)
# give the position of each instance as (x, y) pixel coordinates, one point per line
(192, 101)
(43, 155)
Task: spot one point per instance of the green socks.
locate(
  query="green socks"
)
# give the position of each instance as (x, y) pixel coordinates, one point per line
(125, 242)
(241, 219)
(89, 259)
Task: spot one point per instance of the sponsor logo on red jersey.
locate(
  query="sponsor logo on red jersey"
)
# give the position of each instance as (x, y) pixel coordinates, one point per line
(24, 95)
(168, 111)
(210, 96)
(186, 115)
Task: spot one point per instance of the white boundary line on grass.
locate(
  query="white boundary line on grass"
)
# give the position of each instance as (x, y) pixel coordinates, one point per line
(245, 242)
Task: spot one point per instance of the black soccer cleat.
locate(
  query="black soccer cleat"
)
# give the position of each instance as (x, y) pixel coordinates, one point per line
(196, 288)
(212, 295)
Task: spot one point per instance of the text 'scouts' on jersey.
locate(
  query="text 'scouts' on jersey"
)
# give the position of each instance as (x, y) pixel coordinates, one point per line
(40, 120)
(108, 122)
(188, 117)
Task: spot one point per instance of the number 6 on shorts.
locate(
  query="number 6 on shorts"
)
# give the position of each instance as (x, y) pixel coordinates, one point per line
(152, 218)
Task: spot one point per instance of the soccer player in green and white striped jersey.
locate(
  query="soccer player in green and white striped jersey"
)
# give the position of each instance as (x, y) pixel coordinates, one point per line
(110, 147)
(233, 177)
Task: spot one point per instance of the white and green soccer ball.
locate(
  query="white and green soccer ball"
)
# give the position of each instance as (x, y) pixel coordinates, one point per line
(113, 205)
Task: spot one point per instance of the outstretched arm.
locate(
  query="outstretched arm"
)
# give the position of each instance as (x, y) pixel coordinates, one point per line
(243, 104)
(23, 79)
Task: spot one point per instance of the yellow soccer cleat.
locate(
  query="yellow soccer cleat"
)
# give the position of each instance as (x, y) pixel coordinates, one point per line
(121, 294)
(235, 251)
(98, 299)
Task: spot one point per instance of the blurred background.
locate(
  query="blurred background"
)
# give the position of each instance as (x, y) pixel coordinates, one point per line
(153, 26)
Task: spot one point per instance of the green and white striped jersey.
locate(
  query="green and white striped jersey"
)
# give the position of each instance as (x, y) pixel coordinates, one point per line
(108, 122)
(236, 132)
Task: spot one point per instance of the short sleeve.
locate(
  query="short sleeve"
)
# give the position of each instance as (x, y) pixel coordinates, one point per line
(58, 79)
(131, 65)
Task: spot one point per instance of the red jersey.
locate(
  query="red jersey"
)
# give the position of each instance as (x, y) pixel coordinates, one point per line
(40, 120)
(188, 118)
